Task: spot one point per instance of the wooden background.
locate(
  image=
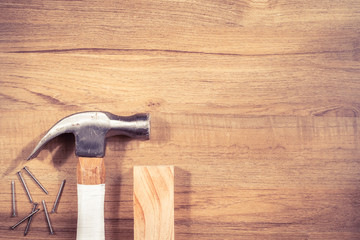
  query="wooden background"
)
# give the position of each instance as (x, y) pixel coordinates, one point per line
(255, 102)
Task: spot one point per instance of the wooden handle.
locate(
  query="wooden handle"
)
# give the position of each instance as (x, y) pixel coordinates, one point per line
(90, 171)
(91, 196)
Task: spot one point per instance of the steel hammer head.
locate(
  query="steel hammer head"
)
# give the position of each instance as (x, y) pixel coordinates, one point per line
(92, 128)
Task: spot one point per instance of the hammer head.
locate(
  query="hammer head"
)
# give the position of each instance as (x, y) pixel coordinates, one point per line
(92, 128)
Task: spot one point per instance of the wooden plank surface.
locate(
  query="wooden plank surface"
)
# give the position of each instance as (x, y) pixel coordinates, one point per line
(153, 202)
(255, 103)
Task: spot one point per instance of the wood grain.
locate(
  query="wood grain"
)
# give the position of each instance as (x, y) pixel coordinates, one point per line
(255, 102)
(153, 202)
(90, 171)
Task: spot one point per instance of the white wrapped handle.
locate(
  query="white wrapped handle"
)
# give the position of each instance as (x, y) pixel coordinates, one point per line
(90, 225)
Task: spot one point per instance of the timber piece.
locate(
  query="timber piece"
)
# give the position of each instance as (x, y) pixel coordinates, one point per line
(153, 202)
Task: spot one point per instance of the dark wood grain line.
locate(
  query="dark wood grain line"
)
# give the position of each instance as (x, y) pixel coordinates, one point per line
(14, 99)
(47, 98)
(109, 50)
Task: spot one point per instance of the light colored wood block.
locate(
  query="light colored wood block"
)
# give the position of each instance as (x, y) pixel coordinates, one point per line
(153, 202)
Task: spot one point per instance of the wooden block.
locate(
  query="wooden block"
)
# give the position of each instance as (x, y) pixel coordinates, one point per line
(153, 202)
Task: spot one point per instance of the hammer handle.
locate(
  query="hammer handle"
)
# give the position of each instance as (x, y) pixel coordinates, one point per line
(91, 196)
(90, 171)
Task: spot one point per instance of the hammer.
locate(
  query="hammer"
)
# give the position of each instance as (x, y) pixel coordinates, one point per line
(90, 130)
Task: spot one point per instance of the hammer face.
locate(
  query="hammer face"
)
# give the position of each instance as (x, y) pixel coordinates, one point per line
(91, 129)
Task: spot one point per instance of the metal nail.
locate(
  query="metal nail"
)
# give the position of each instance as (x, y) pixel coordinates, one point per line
(47, 217)
(34, 178)
(25, 187)
(30, 219)
(24, 219)
(58, 196)
(13, 198)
